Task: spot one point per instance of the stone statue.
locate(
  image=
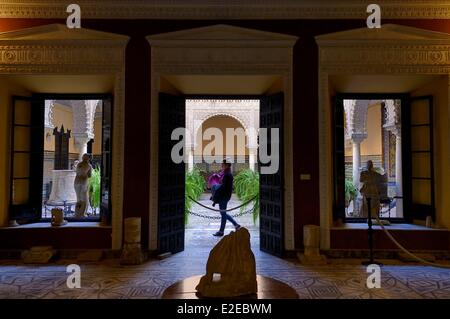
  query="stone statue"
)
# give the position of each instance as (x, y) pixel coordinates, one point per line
(231, 268)
(372, 185)
(81, 185)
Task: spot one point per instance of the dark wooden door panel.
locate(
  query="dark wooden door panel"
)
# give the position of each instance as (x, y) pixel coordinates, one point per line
(171, 177)
(272, 185)
(27, 147)
(420, 161)
(105, 205)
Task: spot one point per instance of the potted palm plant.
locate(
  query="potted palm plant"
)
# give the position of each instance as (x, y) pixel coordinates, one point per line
(246, 187)
(195, 186)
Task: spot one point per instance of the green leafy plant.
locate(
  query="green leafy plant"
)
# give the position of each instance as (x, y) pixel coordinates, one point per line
(195, 186)
(351, 192)
(95, 188)
(246, 187)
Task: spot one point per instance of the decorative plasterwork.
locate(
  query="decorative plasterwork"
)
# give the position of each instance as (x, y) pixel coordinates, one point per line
(245, 112)
(56, 50)
(356, 118)
(83, 117)
(226, 9)
(393, 116)
(48, 114)
(83, 123)
(221, 50)
(393, 49)
(44, 48)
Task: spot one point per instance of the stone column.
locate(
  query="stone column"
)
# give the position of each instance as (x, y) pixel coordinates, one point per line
(80, 141)
(356, 161)
(191, 160)
(356, 143)
(252, 157)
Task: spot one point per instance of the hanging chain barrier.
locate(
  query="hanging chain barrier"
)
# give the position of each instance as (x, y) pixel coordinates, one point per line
(218, 210)
(407, 251)
(226, 210)
(219, 217)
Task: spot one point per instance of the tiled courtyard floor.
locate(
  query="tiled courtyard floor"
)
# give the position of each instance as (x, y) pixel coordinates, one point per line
(108, 279)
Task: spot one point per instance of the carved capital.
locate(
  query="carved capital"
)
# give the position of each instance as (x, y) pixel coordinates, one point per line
(358, 138)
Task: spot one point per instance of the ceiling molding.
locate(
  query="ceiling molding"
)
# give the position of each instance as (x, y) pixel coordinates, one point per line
(226, 9)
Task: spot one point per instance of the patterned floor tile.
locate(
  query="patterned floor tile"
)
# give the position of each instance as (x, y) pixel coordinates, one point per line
(341, 279)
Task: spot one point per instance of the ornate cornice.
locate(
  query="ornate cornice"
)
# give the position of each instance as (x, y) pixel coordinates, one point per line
(226, 9)
(56, 48)
(393, 49)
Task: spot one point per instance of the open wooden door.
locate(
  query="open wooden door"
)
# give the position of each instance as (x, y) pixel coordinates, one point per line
(105, 200)
(27, 147)
(272, 185)
(419, 161)
(171, 176)
(339, 159)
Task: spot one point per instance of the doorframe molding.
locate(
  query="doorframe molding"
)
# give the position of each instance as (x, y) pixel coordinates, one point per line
(391, 50)
(227, 50)
(76, 52)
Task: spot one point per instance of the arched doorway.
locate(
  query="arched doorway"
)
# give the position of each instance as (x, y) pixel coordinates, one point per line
(220, 132)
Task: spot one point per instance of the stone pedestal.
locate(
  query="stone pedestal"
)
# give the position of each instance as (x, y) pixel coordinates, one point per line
(62, 187)
(38, 255)
(311, 241)
(131, 252)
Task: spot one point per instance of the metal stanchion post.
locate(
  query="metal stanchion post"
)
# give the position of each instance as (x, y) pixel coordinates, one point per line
(370, 235)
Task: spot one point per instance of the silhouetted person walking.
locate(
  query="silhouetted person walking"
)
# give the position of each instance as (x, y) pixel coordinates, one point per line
(222, 195)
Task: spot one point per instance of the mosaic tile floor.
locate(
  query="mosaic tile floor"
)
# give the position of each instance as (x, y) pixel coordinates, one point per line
(341, 279)
(108, 279)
